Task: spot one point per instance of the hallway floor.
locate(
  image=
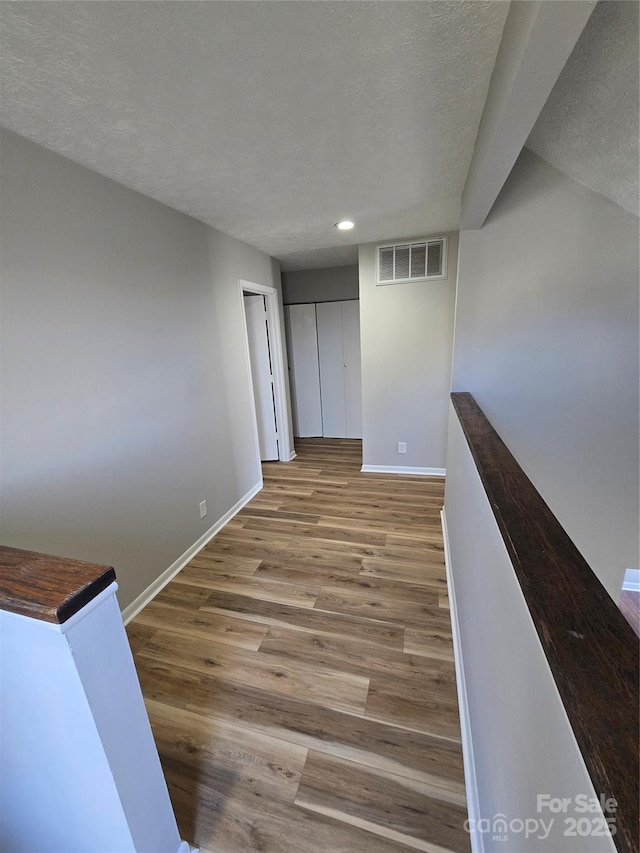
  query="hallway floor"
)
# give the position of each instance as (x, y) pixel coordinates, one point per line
(298, 673)
(629, 604)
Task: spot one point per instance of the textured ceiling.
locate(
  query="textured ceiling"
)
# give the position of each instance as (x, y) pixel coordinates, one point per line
(589, 126)
(268, 120)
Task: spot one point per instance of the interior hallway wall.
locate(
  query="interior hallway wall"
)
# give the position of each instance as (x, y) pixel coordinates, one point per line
(406, 338)
(231, 261)
(125, 394)
(331, 284)
(547, 342)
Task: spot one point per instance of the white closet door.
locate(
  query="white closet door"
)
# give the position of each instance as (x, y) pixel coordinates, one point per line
(352, 372)
(304, 374)
(261, 375)
(331, 358)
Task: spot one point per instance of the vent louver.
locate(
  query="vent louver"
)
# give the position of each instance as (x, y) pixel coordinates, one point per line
(434, 259)
(386, 264)
(419, 260)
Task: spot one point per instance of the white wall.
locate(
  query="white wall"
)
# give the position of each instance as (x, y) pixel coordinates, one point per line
(125, 390)
(232, 260)
(547, 342)
(406, 337)
(80, 771)
(330, 284)
(523, 744)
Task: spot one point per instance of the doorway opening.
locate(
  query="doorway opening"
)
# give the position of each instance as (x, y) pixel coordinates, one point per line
(266, 368)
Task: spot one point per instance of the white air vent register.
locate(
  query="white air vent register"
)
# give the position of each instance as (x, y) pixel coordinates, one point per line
(419, 260)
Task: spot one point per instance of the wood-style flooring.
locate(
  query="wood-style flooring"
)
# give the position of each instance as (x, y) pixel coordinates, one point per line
(299, 675)
(629, 604)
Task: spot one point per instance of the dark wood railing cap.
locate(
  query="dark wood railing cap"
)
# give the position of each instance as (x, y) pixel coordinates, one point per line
(48, 588)
(591, 649)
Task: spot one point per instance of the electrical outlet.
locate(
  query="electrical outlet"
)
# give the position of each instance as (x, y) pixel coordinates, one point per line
(203, 509)
(402, 447)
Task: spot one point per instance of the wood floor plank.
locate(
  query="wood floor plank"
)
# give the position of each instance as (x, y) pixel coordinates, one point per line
(306, 619)
(311, 530)
(434, 760)
(294, 471)
(263, 503)
(138, 634)
(177, 593)
(429, 642)
(197, 623)
(416, 707)
(255, 511)
(317, 553)
(338, 553)
(430, 552)
(408, 559)
(406, 530)
(357, 512)
(338, 580)
(253, 586)
(209, 560)
(430, 574)
(239, 824)
(390, 806)
(422, 553)
(261, 538)
(297, 571)
(350, 655)
(431, 535)
(225, 547)
(412, 502)
(286, 492)
(262, 764)
(629, 605)
(299, 671)
(361, 603)
(423, 490)
(278, 674)
(166, 682)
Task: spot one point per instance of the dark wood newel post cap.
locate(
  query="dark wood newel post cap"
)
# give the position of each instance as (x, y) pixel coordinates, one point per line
(48, 588)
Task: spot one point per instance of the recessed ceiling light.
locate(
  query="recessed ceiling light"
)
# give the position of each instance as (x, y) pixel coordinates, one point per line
(345, 225)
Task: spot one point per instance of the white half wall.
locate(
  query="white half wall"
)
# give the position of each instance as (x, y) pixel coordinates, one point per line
(80, 769)
(511, 713)
(406, 334)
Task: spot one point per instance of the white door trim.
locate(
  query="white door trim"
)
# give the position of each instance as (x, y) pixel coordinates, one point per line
(285, 446)
(261, 355)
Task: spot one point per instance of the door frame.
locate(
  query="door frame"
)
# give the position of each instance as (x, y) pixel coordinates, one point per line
(276, 344)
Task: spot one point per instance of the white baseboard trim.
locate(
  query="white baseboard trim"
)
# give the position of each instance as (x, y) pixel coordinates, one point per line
(631, 580)
(395, 469)
(470, 780)
(292, 456)
(187, 848)
(132, 610)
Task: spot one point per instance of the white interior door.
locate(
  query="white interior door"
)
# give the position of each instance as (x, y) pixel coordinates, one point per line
(352, 372)
(331, 359)
(262, 376)
(305, 375)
